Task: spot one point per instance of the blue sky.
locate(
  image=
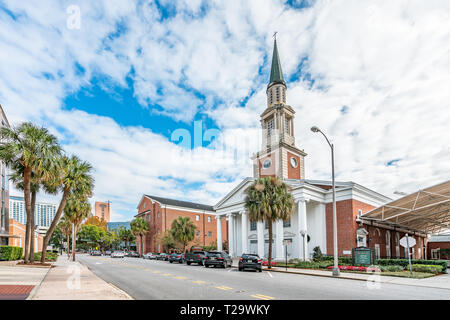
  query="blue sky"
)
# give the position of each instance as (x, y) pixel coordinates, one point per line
(114, 80)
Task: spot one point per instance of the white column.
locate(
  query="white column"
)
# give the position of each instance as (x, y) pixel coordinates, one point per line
(219, 233)
(244, 228)
(230, 234)
(260, 233)
(279, 249)
(302, 230)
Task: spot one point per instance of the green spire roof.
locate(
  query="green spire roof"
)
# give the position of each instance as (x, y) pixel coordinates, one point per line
(276, 75)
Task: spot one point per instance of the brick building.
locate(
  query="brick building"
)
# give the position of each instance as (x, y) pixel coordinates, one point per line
(439, 247)
(160, 213)
(103, 210)
(17, 229)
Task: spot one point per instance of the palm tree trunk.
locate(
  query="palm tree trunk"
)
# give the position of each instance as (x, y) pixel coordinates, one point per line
(142, 245)
(74, 241)
(55, 221)
(27, 199)
(67, 247)
(270, 243)
(32, 223)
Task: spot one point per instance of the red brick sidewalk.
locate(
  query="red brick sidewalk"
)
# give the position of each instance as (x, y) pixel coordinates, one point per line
(15, 292)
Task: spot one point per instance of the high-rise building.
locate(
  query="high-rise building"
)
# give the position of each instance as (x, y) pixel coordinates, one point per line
(43, 212)
(4, 215)
(102, 210)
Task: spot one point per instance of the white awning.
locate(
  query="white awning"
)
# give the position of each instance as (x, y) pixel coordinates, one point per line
(426, 211)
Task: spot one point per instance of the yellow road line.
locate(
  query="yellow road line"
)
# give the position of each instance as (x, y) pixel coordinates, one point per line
(262, 297)
(180, 277)
(199, 281)
(224, 288)
(156, 271)
(167, 274)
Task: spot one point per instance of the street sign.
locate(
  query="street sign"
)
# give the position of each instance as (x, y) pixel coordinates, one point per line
(362, 256)
(287, 242)
(407, 240)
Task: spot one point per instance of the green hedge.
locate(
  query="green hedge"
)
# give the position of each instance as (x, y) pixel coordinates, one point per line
(49, 256)
(427, 268)
(10, 253)
(341, 260)
(405, 264)
(391, 268)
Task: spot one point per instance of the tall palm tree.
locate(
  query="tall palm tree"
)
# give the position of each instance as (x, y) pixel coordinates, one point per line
(66, 229)
(76, 210)
(183, 231)
(74, 177)
(140, 228)
(269, 199)
(29, 149)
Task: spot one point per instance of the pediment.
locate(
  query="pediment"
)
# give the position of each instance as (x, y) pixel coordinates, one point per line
(237, 195)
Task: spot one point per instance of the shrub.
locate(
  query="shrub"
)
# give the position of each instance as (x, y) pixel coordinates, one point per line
(426, 268)
(307, 265)
(10, 253)
(341, 260)
(317, 255)
(405, 264)
(391, 268)
(49, 256)
(356, 268)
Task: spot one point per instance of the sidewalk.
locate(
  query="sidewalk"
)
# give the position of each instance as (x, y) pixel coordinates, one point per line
(74, 281)
(440, 281)
(17, 282)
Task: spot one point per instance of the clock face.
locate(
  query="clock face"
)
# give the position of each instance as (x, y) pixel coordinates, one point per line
(267, 163)
(294, 162)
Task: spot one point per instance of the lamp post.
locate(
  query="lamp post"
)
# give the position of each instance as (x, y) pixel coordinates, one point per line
(335, 268)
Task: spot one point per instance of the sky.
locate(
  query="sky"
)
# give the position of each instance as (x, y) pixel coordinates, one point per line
(164, 97)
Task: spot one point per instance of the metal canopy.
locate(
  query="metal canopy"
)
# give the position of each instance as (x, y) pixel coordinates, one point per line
(426, 211)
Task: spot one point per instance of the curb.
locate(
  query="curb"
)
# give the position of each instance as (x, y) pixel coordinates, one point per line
(36, 288)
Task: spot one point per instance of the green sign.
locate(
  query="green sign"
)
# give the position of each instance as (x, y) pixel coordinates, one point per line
(362, 256)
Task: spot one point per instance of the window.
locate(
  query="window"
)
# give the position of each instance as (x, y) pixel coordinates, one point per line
(287, 125)
(435, 253)
(197, 218)
(252, 225)
(287, 223)
(278, 94)
(266, 224)
(267, 163)
(209, 219)
(209, 234)
(197, 233)
(377, 251)
(270, 126)
(145, 204)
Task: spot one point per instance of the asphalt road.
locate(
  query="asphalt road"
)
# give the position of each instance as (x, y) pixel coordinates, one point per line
(150, 279)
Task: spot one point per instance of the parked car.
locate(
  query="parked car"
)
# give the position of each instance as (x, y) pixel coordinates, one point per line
(216, 258)
(176, 257)
(195, 255)
(118, 254)
(133, 254)
(149, 255)
(162, 256)
(96, 253)
(108, 252)
(250, 261)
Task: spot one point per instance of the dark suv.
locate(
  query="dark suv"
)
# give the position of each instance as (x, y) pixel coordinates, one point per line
(195, 256)
(216, 258)
(176, 257)
(250, 261)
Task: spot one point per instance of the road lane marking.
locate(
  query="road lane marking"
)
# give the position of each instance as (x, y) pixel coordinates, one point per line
(167, 274)
(262, 297)
(156, 271)
(224, 288)
(268, 272)
(198, 281)
(180, 277)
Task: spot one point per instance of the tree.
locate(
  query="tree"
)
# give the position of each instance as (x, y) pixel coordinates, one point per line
(167, 241)
(269, 199)
(183, 230)
(96, 221)
(28, 149)
(66, 229)
(73, 175)
(76, 210)
(140, 228)
(126, 236)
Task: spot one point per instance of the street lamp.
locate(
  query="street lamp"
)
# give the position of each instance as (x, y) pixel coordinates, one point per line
(335, 268)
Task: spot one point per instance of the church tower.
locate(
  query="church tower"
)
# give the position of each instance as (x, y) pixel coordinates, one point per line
(278, 156)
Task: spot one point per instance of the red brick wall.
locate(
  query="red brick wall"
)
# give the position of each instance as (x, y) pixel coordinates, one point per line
(293, 173)
(161, 219)
(436, 245)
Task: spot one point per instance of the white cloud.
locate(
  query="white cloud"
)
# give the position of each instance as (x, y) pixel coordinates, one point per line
(388, 62)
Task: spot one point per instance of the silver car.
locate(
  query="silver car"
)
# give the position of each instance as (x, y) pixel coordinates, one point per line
(149, 256)
(118, 254)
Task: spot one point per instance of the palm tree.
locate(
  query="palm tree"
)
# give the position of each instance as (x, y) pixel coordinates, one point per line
(66, 229)
(74, 177)
(76, 210)
(126, 236)
(183, 231)
(28, 149)
(140, 228)
(269, 199)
